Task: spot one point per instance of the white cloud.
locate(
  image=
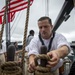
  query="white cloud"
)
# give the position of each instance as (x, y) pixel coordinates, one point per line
(70, 36)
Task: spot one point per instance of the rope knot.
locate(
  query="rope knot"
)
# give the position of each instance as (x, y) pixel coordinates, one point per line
(39, 67)
(10, 68)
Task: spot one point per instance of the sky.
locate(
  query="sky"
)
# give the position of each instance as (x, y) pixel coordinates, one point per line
(37, 10)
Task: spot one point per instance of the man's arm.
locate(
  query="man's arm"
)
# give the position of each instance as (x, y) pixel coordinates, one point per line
(18, 51)
(62, 51)
(31, 67)
(56, 55)
(31, 57)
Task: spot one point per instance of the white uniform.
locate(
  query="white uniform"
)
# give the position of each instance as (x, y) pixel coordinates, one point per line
(58, 41)
(2, 51)
(29, 39)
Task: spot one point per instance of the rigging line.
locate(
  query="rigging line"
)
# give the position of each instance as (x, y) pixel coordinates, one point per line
(17, 23)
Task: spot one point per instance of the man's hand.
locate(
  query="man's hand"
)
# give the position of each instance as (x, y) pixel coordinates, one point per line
(19, 51)
(31, 66)
(54, 58)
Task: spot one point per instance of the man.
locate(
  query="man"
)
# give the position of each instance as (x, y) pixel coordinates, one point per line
(16, 45)
(59, 45)
(30, 37)
(2, 51)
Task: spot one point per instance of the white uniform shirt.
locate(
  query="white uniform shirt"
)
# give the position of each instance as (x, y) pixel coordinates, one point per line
(58, 41)
(29, 39)
(3, 50)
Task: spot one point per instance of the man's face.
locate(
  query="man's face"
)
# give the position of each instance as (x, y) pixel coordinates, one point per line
(45, 29)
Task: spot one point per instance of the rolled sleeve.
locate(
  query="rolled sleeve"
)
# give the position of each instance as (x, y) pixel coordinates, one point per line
(63, 41)
(33, 52)
(66, 44)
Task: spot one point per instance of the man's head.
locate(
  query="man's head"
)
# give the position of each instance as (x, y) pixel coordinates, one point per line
(31, 32)
(45, 27)
(15, 43)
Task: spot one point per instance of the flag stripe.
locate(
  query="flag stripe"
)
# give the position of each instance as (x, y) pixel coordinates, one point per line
(16, 3)
(19, 5)
(0, 19)
(11, 16)
(14, 6)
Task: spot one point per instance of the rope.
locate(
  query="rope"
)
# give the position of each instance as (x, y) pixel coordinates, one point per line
(24, 39)
(39, 69)
(2, 29)
(8, 68)
(11, 68)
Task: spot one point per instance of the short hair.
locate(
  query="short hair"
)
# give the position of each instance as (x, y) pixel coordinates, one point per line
(31, 32)
(44, 18)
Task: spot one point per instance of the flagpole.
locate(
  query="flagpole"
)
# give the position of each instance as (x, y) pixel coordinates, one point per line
(7, 26)
(9, 22)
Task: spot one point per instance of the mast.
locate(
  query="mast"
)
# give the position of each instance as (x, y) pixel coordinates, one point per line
(7, 25)
(47, 7)
(64, 13)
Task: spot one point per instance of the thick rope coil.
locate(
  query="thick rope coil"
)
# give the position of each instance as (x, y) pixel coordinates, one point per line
(11, 68)
(39, 69)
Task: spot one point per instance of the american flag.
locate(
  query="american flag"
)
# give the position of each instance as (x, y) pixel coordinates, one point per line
(15, 6)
